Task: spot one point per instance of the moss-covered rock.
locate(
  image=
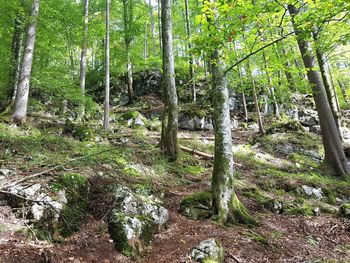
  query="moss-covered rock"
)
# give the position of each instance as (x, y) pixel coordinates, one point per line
(75, 187)
(134, 220)
(209, 251)
(133, 119)
(131, 234)
(197, 206)
(288, 126)
(344, 210)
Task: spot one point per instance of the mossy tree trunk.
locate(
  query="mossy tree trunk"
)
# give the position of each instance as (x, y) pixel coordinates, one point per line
(334, 154)
(170, 115)
(21, 101)
(226, 206)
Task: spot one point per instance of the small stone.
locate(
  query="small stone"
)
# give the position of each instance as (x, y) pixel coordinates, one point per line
(311, 191)
(316, 211)
(344, 210)
(209, 250)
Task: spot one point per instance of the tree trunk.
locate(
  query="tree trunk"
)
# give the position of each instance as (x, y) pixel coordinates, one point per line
(17, 46)
(159, 28)
(152, 27)
(106, 103)
(83, 58)
(327, 84)
(343, 91)
(334, 154)
(226, 206)
(21, 101)
(191, 58)
(256, 101)
(170, 144)
(271, 88)
(128, 18)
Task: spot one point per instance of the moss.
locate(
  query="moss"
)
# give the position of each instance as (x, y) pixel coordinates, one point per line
(257, 237)
(298, 207)
(256, 195)
(240, 213)
(204, 198)
(76, 189)
(116, 231)
(330, 195)
(286, 126)
(344, 210)
(192, 110)
(130, 115)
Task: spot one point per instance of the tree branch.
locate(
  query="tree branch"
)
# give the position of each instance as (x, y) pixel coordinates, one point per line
(257, 51)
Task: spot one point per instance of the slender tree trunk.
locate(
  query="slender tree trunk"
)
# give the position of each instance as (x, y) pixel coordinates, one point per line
(271, 88)
(343, 91)
(334, 91)
(288, 75)
(21, 101)
(83, 57)
(334, 154)
(244, 101)
(170, 145)
(191, 58)
(160, 27)
(256, 101)
(128, 18)
(152, 27)
(106, 103)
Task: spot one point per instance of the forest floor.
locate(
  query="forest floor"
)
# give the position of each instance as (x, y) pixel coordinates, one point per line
(293, 237)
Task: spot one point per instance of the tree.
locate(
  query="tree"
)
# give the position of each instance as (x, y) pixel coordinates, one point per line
(170, 115)
(21, 101)
(83, 56)
(106, 103)
(334, 154)
(128, 20)
(191, 57)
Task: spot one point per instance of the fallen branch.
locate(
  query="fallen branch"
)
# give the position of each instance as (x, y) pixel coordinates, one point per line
(234, 258)
(195, 152)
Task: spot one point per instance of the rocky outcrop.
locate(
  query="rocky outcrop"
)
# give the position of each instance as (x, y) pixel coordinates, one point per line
(56, 208)
(209, 250)
(197, 206)
(134, 220)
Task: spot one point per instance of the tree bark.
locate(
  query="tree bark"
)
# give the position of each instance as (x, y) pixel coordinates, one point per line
(169, 134)
(321, 59)
(226, 206)
(106, 103)
(83, 57)
(334, 154)
(21, 101)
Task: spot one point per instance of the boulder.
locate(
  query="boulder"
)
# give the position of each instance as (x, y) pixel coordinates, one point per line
(312, 192)
(208, 251)
(56, 209)
(344, 210)
(134, 220)
(197, 206)
(195, 123)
